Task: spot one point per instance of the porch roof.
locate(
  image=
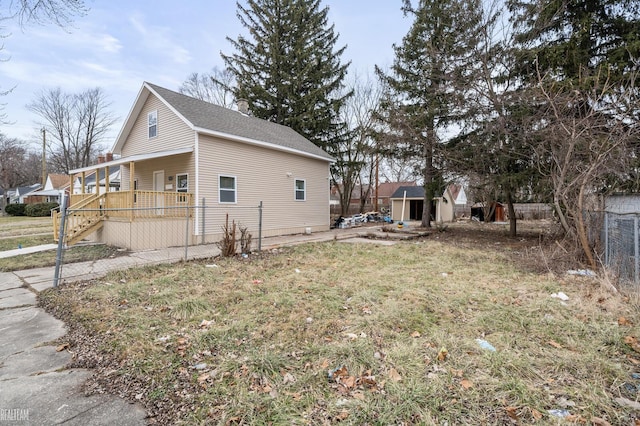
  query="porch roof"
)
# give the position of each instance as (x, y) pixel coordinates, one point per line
(134, 158)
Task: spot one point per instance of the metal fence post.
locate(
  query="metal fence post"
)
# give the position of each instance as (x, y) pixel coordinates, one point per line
(61, 234)
(260, 227)
(186, 236)
(606, 239)
(204, 211)
(636, 250)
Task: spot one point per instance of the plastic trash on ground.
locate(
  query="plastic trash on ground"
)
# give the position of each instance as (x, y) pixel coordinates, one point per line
(485, 345)
(559, 413)
(582, 272)
(560, 295)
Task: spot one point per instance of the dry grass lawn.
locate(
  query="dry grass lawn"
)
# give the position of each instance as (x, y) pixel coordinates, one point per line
(361, 334)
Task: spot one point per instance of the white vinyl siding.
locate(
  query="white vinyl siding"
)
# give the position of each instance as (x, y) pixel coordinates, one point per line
(301, 190)
(265, 175)
(227, 189)
(172, 132)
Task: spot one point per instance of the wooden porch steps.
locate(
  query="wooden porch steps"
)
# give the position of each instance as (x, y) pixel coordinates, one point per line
(87, 227)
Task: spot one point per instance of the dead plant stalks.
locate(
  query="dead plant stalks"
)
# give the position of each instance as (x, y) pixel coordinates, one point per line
(228, 243)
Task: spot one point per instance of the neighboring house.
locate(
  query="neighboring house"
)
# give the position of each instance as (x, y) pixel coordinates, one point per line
(90, 181)
(410, 200)
(177, 151)
(53, 188)
(22, 192)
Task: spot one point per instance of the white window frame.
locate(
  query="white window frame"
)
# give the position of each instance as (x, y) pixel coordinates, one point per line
(296, 190)
(234, 190)
(182, 198)
(153, 115)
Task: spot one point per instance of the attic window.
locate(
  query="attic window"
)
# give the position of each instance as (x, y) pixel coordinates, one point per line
(152, 119)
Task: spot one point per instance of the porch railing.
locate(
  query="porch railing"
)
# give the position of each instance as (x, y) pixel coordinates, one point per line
(90, 208)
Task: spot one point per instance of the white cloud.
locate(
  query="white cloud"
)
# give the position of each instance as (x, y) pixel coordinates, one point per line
(160, 41)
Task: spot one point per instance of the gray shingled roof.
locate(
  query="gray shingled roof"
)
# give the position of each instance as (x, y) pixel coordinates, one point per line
(412, 192)
(215, 118)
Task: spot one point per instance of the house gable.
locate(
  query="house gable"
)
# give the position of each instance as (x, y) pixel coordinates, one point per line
(194, 115)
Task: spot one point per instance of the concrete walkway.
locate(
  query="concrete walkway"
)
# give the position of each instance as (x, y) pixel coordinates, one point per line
(27, 250)
(35, 386)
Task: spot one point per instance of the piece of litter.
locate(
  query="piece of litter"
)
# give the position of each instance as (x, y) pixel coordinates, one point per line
(628, 403)
(297, 271)
(163, 339)
(200, 366)
(560, 295)
(485, 345)
(212, 266)
(309, 320)
(582, 272)
(444, 275)
(559, 413)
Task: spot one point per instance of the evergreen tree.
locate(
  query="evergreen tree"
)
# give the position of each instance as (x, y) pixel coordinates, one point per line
(574, 38)
(287, 68)
(427, 84)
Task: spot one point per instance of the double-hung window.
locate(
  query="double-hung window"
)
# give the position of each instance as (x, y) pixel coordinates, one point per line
(227, 189)
(152, 121)
(182, 185)
(301, 190)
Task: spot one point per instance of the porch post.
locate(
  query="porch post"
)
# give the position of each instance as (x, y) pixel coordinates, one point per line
(106, 179)
(132, 179)
(82, 177)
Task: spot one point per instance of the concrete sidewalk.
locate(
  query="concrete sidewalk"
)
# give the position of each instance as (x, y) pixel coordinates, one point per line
(27, 250)
(35, 386)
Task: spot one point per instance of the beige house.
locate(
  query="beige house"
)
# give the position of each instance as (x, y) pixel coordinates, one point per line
(176, 151)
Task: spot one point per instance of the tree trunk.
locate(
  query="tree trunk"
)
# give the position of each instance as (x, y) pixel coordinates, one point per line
(429, 172)
(512, 215)
(582, 230)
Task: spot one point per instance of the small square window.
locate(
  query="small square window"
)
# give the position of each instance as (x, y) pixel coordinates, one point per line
(301, 191)
(227, 189)
(152, 120)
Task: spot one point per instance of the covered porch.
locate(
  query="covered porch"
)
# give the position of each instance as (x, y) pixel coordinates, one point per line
(139, 198)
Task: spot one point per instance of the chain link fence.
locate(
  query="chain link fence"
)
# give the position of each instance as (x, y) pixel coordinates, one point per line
(116, 239)
(621, 236)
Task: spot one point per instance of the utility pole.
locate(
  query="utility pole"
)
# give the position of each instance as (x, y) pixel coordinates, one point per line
(44, 157)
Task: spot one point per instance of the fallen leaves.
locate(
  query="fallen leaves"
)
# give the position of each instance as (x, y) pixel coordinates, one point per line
(443, 354)
(622, 321)
(466, 384)
(347, 384)
(62, 347)
(632, 342)
(394, 375)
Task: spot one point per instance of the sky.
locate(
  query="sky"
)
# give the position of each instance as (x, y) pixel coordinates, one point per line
(119, 44)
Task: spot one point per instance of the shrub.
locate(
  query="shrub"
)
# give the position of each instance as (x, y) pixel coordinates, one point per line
(40, 209)
(15, 209)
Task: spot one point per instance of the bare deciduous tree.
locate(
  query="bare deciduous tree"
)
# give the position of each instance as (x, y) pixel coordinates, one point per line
(17, 166)
(76, 125)
(214, 87)
(356, 154)
(60, 12)
(583, 140)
